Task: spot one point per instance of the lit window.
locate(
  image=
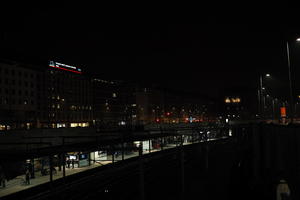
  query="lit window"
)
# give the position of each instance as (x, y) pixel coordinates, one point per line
(227, 100)
(114, 95)
(25, 102)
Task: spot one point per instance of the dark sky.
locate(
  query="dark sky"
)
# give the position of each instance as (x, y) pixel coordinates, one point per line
(201, 53)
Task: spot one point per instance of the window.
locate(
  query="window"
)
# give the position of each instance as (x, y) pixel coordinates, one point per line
(12, 72)
(25, 102)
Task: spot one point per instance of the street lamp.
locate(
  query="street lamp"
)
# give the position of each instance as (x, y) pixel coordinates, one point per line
(290, 80)
(261, 100)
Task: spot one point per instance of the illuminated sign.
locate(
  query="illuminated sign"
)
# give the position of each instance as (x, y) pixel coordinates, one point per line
(65, 67)
(282, 112)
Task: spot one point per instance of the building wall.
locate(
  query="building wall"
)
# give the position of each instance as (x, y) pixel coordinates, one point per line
(108, 109)
(18, 95)
(49, 97)
(68, 98)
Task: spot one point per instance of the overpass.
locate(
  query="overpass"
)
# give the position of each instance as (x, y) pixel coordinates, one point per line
(21, 145)
(247, 164)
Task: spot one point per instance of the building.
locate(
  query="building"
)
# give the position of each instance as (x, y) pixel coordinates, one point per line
(150, 105)
(238, 104)
(51, 96)
(66, 97)
(156, 105)
(18, 95)
(183, 107)
(58, 95)
(108, 109)
(114, 103)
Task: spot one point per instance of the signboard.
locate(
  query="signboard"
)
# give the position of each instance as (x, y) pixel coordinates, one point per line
(65, 67)
(282, 112)
(83, 163)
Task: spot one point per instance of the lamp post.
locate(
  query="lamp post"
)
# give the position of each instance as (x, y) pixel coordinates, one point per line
(290, 80)
(261, 99)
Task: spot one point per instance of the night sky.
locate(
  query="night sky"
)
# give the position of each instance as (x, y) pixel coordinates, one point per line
(204, 55)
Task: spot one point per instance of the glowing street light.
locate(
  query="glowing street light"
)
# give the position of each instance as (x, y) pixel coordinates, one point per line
(290, 79)
(260, 93)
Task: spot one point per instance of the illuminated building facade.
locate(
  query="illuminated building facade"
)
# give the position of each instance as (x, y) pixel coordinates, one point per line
(18, 95)
(47, 96)
(233, 107)
(69, 97)
(59, 95)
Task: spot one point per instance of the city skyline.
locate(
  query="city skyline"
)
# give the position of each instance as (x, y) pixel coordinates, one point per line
(204, 57)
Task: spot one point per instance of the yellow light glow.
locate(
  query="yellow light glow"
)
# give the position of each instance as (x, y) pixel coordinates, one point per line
(227, 100)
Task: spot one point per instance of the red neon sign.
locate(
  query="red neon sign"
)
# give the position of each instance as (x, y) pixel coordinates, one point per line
(66, 69)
